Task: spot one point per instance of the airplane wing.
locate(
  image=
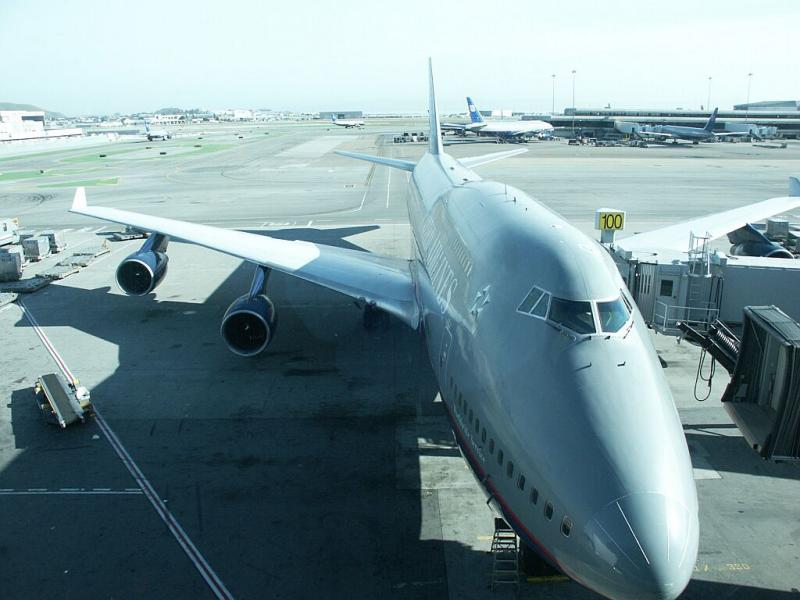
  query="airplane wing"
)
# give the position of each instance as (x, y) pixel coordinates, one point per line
(474, 161)
(734, 134)
(676, 237)
(645, 133)
(453, 126)
(386, 282)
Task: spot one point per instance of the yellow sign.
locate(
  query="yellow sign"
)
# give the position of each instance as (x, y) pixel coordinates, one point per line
(611, 220)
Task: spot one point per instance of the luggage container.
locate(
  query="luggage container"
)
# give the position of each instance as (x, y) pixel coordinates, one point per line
(36, 248)
(13, 249)
(24, 234)
(61, 403)
(56, 239)
(10, 266)
(9, 231)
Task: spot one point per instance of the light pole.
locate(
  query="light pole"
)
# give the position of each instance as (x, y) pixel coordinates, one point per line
(553, 110)
(573, 102)
(747, 104)
(708, 103)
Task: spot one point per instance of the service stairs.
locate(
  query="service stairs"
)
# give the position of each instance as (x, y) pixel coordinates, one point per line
(505, 569)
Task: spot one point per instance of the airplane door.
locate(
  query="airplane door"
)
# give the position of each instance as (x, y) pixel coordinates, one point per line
(444, 351)
(644, 289)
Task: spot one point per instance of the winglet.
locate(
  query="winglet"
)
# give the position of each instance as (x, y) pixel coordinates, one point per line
(79, 200)
(794, 186)
(435, 138)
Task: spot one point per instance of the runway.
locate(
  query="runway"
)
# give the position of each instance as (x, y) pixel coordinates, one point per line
(325, 467)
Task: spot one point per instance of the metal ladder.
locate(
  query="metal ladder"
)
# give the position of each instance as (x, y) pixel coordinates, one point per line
(505, 570)
(699, 256)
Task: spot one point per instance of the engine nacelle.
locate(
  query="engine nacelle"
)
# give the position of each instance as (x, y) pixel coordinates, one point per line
(141, 272)
(767, 249)
(249, 324)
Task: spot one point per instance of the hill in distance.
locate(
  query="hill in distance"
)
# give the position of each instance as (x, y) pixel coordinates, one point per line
(49, 114)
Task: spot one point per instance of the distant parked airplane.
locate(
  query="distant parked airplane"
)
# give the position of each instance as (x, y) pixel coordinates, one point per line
(346, 123)
(503, 130)
(678, 132)
(156, 134)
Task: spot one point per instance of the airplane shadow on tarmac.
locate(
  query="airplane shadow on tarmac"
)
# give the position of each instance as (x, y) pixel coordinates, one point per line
(282, 468)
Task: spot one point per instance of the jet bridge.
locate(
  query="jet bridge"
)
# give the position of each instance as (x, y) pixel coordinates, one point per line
(763, 396)
(702, 285)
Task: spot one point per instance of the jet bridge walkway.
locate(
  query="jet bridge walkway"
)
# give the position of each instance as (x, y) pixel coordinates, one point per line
(718, 341)
(763, 396)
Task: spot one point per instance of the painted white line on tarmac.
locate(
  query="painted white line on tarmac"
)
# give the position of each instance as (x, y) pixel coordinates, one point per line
(69, 492)
(213, 581)
(388, 183)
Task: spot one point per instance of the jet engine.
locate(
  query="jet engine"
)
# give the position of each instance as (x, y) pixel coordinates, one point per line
(749, 241)
(142, 271)
(249, 323)
(766, 249)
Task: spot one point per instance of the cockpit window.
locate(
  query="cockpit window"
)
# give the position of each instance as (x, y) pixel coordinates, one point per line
(535, 303)
(530, 300)
(572, 314)
(540, 310)
(613, 315)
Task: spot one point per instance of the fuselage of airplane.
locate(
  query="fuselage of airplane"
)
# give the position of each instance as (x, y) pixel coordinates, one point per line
(157, 134)
(573, 435)
(507, 128)
(347, 123)
(693, 134)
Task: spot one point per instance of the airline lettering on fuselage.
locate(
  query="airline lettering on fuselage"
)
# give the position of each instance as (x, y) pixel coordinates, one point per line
(443, 279)
(468, 434)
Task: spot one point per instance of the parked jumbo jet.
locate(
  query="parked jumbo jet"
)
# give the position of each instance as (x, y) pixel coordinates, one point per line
(678, 132)
(347, 123)
(502, 130)
(547, 372)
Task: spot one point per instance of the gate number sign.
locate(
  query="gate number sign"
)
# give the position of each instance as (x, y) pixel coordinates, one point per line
(606, 219)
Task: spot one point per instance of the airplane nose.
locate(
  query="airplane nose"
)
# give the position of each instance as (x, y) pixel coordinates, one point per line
(645, 547)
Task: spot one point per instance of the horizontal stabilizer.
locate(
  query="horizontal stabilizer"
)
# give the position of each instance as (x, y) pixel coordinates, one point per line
(474, 161)
(395, 163)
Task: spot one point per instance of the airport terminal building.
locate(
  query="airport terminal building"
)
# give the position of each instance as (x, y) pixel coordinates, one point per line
(29, 125)
(784, 116)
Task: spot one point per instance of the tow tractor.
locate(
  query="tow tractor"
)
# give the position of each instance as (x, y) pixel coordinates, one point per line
(62, 403)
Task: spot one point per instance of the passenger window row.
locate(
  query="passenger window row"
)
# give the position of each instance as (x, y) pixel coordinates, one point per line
(462, 406)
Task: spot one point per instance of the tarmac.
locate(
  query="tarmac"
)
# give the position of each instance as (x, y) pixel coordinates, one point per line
(325, 467)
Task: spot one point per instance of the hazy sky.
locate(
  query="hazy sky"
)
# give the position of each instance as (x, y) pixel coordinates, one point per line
(83, 56)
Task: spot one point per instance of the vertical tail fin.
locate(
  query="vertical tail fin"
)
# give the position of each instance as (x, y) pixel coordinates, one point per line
(711, 120)
(435, 138)
(474, 115)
